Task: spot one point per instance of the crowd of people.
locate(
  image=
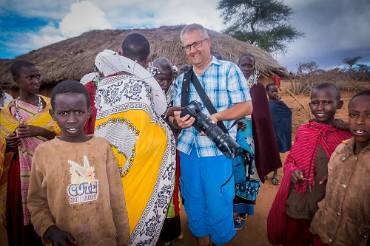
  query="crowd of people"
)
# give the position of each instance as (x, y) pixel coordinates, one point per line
(110, 159)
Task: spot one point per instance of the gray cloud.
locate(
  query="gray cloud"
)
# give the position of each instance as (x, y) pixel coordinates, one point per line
(334, 29)
(37, 8)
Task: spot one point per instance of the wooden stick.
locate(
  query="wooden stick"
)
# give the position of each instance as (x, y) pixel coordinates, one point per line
(296, 99)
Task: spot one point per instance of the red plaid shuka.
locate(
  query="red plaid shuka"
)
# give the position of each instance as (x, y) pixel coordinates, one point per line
(90, 124)
(302, 156)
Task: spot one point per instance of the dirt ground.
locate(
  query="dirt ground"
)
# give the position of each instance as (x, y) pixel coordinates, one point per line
(255, 232)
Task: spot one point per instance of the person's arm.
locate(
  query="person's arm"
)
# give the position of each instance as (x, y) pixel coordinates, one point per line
(37, 203)
(3, 234)
(24, 131)
(37, 200)
(182, 122)
(117, 199)
(59, 237)
(169, 117)
(12, 142)
(239, 96)
(236, 112)
(290, 168)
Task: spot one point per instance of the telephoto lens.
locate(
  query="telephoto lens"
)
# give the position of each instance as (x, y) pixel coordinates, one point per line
(226, 144)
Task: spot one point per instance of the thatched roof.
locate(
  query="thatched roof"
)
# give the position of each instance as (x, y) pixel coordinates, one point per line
(74, 57)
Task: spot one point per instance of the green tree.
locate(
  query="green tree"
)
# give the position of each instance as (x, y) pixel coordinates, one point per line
(260, 22)
(307, 67)
(363, 67)
(350, 61)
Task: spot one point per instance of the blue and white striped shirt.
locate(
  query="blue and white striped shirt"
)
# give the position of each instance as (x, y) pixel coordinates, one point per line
(225, 86)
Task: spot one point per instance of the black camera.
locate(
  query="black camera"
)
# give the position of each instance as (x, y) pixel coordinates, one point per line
(226, 144)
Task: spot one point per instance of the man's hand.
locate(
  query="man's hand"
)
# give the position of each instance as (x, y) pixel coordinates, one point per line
(235, 112)
(183, 122)
(297, 176)
(213, 118)
(58, 237)
(12, 141)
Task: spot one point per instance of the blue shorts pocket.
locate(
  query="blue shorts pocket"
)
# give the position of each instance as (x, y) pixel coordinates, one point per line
(227, 189)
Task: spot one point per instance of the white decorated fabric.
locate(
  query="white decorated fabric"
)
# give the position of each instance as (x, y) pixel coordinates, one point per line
(109, 62)
(89, 77)
(122, 92)
(5, 98)
(121, 135)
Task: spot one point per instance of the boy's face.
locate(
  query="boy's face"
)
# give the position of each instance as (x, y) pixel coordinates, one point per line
(272, 92)
(359, 119)
(324, 103)
(29, 79)
(164, 78)
(71, 113)
(246, 64)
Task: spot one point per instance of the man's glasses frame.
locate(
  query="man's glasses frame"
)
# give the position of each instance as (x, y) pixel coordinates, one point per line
(194, 45)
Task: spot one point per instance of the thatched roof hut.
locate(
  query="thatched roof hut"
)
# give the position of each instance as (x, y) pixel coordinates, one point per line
(74, 57)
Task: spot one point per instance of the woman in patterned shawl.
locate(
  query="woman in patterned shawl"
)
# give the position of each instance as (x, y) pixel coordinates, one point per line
(129, 103)
(25, 123)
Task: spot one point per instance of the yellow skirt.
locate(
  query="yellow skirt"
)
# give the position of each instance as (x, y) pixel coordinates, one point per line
(148, 173)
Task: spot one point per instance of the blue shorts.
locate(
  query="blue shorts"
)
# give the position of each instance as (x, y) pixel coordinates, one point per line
(207, 186)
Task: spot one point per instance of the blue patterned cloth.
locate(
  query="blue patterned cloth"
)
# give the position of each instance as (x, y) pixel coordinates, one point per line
(244, 138)
(246, 184)
(225, 86)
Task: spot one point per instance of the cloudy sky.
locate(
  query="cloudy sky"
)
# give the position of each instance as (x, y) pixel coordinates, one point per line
(333, 29)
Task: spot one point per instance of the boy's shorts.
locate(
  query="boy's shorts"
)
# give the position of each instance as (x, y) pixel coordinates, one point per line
(207, 186)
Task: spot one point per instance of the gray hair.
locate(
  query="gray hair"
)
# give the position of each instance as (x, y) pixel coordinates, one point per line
(249, 55)
(194, 27)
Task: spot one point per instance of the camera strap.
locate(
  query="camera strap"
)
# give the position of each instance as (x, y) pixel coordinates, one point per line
(190, 77)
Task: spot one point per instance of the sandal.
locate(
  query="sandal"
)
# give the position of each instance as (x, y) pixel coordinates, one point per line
(275, 180)
(239, 222)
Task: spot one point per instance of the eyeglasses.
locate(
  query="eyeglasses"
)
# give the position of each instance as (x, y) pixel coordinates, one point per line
(194, 45)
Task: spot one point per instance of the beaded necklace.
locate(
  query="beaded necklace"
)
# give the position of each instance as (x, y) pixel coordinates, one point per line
(18, 116)
(253, 79)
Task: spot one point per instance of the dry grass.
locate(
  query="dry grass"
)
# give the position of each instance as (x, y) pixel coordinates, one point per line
(345, 81)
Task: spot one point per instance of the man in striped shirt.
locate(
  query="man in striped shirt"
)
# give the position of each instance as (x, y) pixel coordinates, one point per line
(207, 183)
